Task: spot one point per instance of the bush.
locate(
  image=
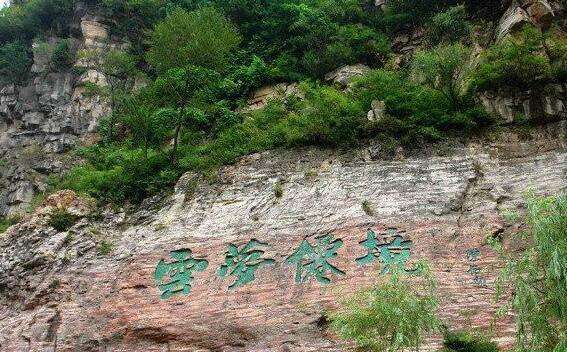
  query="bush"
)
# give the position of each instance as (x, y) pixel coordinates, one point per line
(402, 14)
(62, 58)
(25, 20)
(14, 62)
(449, 26)
(6, 222)
(61, 220)
(462, 341)
(393, 315)
(516, 62)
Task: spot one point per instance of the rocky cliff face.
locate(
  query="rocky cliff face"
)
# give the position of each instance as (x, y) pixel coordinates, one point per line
(252, 261)
(49, 114)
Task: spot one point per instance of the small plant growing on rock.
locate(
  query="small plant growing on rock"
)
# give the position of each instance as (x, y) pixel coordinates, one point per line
(105, 248)
(367, 207)
(278, 189)
(61, 220)
(463, 341)
(7, 222)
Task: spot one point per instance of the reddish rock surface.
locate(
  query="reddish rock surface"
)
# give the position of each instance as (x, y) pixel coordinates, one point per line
(93, 288)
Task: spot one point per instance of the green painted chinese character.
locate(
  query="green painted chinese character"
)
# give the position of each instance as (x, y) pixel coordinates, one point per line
(313, 261)
(244, 262)
(395, 253)
(179, 273)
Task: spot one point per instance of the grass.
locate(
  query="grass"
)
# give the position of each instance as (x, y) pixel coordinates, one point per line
(105, 248)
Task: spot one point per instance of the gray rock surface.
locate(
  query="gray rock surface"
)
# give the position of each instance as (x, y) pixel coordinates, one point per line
(49, 115)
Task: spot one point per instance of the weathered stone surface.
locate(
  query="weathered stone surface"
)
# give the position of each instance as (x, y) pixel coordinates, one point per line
(378, 110)
(514, 18)
(344, 75)
(59, 292)
(51, 111)
(260, 97)
(546, 104)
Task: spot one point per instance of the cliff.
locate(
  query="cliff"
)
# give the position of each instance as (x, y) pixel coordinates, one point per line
(98, 287)
(255, 256)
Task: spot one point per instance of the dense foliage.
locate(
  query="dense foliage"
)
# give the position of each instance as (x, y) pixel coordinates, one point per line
(538, 276)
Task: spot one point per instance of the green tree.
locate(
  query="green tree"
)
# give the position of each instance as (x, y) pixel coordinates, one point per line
(441, 69)
(119, 69)
(14, 62)
(186, 96)
(538, 277)
(202, 38)
(449, 26)
(62, 58)
(390, 316)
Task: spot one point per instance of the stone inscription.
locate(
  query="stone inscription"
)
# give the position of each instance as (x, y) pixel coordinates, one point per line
(311, 260)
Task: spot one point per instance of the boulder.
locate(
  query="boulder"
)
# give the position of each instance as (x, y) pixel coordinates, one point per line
(377, 111)
(260, 97)
(346, 74)
(541, 13)
(513, 19)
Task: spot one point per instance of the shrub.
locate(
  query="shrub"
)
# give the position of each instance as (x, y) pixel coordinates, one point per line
(6, 222)
(449, 26)
(62, 58)
(401, 14)
(393, 315)
(515, 62)
(461, 341)
(61, 220)
(538, 276)
(14, 62)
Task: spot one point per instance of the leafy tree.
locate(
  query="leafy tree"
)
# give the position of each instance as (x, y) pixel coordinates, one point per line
(186, 96)
(119, 68)
(440, 69)
(538, 277)
(201, 38)
(390, 316)
(62, 58)
(14, 62)
(449, 26)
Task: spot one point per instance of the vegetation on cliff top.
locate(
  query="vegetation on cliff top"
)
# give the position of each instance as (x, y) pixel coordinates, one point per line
(201, 59)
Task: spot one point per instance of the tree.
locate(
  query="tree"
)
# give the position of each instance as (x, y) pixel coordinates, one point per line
(119, 68)
(538, 277)
(390, 316)
(441, 69)
(14, 62)
(186, 95)
(201, 38)
(449, 26)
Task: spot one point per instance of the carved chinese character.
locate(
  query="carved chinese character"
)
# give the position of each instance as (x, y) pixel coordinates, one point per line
(393, 254)
(244, 262)
(313, 261)
(176, 277)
